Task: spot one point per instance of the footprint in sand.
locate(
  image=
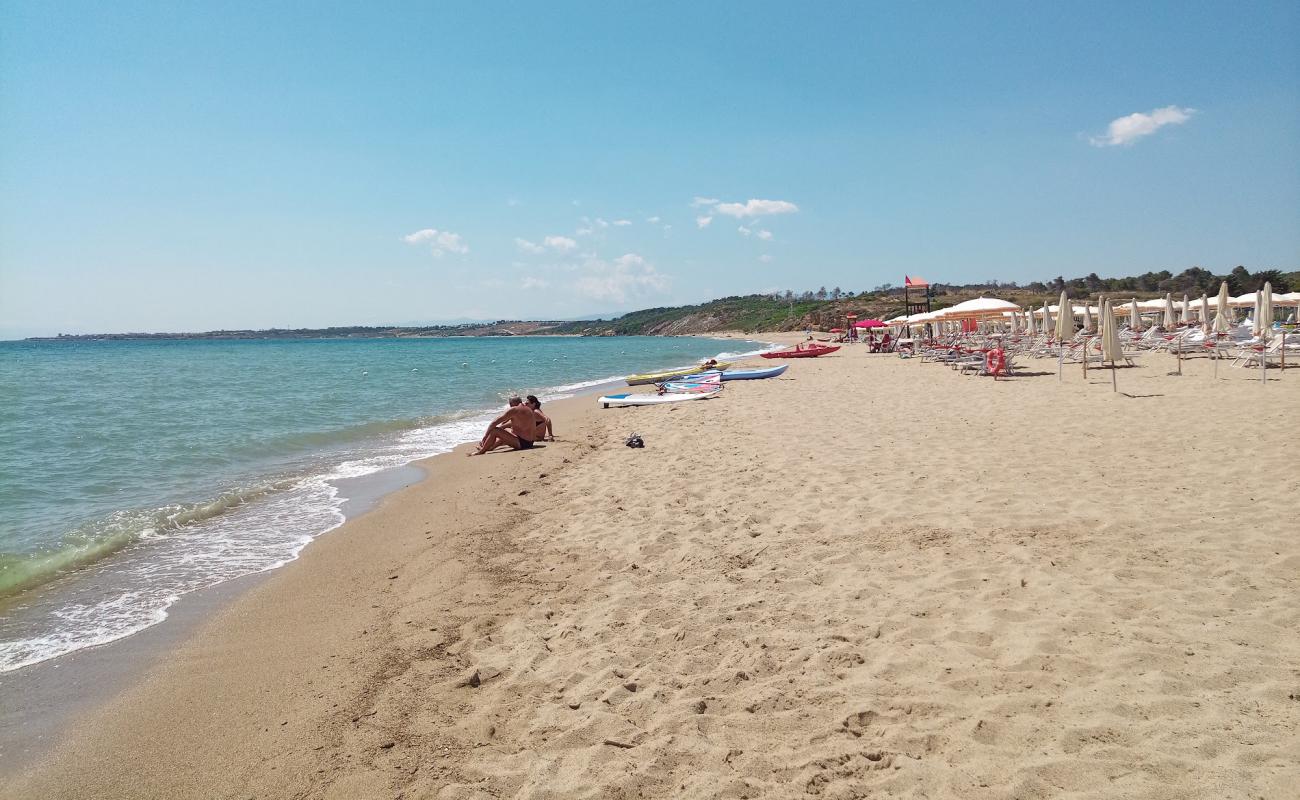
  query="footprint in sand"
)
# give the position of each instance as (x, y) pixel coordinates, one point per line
(857, 724)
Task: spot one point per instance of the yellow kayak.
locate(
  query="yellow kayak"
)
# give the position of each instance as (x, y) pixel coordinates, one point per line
(660, 377)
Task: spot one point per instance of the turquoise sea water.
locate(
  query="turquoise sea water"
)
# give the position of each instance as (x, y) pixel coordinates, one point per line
(134, 472)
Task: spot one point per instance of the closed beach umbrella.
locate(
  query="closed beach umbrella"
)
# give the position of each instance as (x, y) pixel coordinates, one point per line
(1264, 316)
(1222, 320)
(1064, 319)
(1187, 309)
(1169, 312)
(1029, 323)
(1087, 317)
(1205, 311)
(1254, 324)
(1047, 319)
(1110, 347)
(1134, 317)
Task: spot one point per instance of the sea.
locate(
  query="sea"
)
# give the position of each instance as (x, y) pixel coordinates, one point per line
(133, 472)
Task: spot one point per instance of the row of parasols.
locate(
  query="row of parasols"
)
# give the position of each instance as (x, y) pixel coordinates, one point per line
(1213, 313)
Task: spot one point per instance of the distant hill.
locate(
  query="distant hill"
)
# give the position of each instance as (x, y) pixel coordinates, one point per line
(783, 311)
(822, 309)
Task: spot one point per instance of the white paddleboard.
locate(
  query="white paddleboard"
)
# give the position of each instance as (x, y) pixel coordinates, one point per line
(652, 399)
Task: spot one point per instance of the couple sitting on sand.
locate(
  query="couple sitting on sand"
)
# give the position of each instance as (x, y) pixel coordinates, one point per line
(522, 424)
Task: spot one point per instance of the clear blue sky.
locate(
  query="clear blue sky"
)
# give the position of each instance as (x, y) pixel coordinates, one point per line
(185, 166)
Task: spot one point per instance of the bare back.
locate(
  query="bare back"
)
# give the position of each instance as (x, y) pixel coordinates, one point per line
(522, 422)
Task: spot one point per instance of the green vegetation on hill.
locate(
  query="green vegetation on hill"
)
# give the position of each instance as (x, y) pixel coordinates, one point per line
(789, 310)
(822, 309)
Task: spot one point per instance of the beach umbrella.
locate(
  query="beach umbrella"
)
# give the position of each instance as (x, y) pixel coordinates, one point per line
(1169, 321)
(1222, 316)
(1264, 316)
(1134, 318)
(1087, 317)
(1187, 309)
(1047, 319)
(979, 308)
(1029, 324)
(1205, 312)
(1111, 350)
(1064, 319)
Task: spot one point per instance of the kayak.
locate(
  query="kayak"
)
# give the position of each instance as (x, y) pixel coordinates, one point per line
(660, 377)
(807, 352)
(754, 374)
(653, 399)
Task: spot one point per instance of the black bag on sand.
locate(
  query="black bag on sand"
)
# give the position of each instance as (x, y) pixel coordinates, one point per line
(634, 441)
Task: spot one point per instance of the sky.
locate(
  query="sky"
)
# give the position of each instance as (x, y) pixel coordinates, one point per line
(187, 166)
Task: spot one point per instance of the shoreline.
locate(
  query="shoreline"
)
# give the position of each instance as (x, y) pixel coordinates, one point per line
(898, 625)
(58, 690)
(33, 604)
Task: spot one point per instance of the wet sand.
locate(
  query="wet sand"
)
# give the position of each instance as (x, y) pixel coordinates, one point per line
(872, 576)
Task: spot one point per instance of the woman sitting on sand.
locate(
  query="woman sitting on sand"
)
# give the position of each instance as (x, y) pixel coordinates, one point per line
(544, 431)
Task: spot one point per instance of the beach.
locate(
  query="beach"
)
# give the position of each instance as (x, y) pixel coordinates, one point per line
(869, 577)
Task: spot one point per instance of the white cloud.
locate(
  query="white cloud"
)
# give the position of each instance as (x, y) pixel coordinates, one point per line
(625, 277)
(652, 220)
(526, 246)
(765, 258)
(530, 282)
(600, 223)
(765, 235)
(701, 202)
(703, 222)
(440, 242)
(560, 244)
(619, 223)
(583, 232)
(756, 208)
(744, 231)
(1127, 130)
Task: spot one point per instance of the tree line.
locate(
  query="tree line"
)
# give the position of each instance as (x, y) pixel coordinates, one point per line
(1192, 281)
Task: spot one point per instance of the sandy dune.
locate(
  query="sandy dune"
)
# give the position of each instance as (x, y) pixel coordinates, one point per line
(872, 577)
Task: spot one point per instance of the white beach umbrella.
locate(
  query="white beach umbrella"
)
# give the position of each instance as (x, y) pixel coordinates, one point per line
(1264, 316)
(1087, 317)
(1064, 319)
(1187, 309)
(1255, 318)
(1047, 319)
(1222, 316)
(1111, 350)
(1205, 311)
(1169, 320)
(1134, 317)
(1031, 326)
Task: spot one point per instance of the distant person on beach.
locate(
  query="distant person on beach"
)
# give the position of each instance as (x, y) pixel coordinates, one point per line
(517, 428)
(544, 430)
(710, 364)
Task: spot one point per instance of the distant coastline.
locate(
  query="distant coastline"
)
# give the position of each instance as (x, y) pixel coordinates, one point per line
(503, 328)
(773, 312)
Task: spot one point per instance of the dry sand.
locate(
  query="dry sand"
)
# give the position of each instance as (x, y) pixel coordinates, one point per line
(873, 577)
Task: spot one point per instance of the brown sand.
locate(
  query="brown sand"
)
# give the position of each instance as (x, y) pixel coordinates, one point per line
(873, 577)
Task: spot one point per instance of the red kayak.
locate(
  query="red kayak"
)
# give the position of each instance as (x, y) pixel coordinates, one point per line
(807, 352)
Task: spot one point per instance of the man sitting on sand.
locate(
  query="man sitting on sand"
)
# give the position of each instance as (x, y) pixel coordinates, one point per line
(544, 432)
(517, 427)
